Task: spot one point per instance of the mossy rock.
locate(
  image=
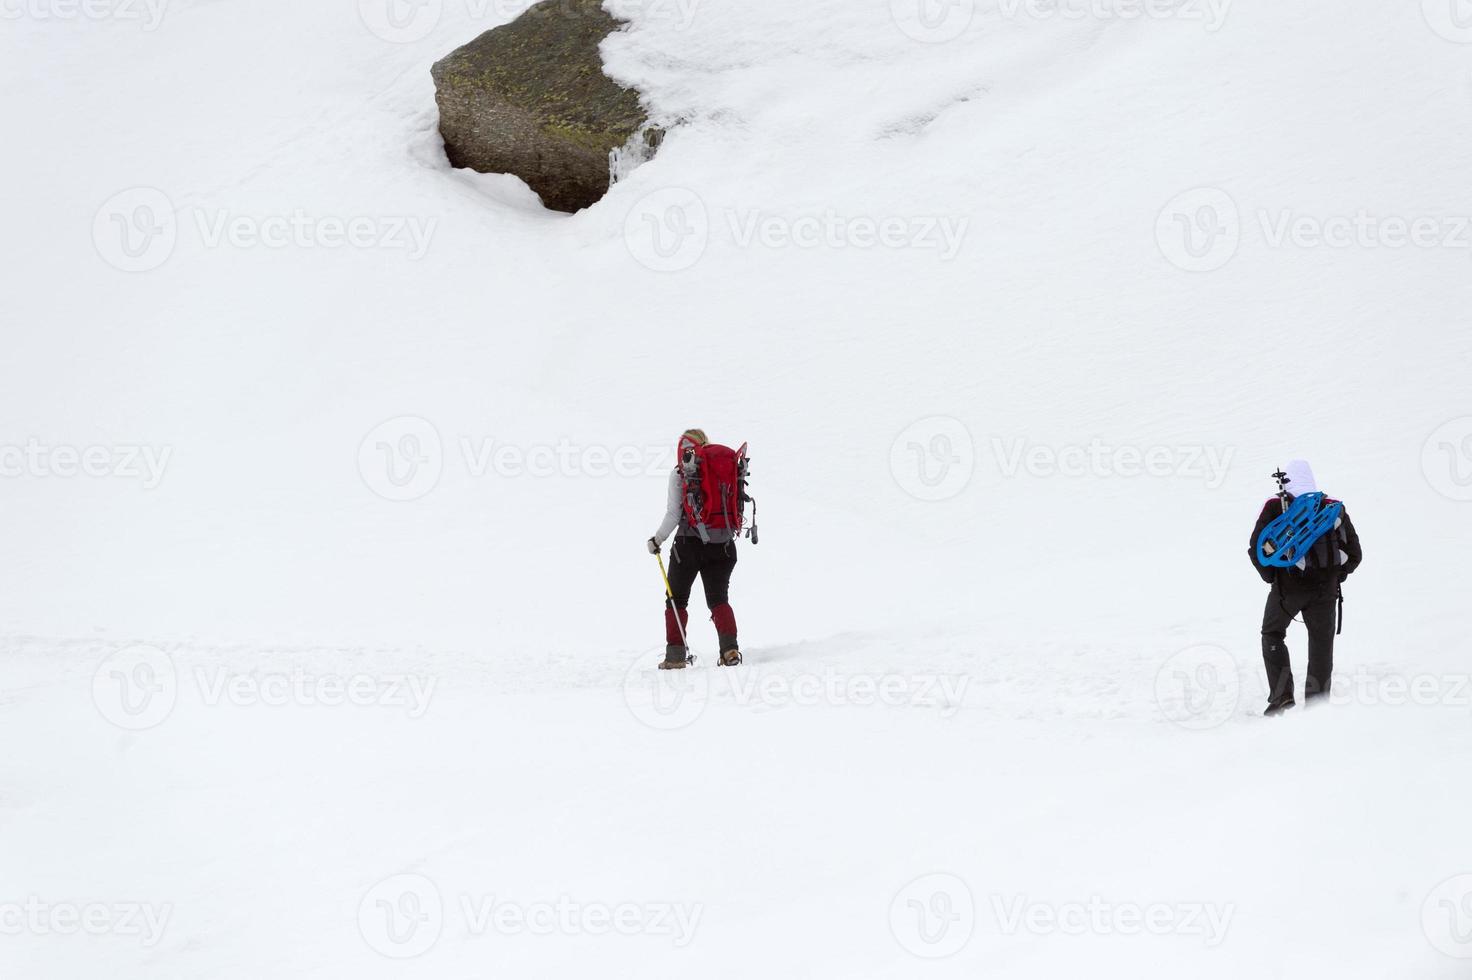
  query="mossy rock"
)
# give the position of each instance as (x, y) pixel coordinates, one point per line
(530, 98)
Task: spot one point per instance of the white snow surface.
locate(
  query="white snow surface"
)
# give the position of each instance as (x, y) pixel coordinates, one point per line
(998, 717)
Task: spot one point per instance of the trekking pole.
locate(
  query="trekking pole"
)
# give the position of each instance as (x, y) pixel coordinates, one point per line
(669, 597)
(1282, 479)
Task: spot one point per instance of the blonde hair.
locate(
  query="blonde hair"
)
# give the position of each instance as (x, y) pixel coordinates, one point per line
(696, 434)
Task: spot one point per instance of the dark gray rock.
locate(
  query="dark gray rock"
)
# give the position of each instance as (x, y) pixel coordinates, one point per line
(530, 98)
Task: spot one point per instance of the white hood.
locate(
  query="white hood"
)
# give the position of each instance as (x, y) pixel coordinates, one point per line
(1300, 478)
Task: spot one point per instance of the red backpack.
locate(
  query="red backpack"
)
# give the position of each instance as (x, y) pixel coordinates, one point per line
(715, 491)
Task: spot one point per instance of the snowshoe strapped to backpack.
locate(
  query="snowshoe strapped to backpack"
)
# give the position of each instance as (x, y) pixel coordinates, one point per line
(1289, 539)
(715, 491)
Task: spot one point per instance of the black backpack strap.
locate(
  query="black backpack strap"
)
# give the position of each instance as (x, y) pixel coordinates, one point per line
(1332, 538)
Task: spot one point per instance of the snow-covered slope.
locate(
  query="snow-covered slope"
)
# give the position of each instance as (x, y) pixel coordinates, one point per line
(957, 272)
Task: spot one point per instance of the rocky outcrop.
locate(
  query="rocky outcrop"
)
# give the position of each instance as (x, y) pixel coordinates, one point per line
(530, 98)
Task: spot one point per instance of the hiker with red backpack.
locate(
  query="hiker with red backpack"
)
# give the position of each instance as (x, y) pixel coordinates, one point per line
(706, 513)
(1303, 545)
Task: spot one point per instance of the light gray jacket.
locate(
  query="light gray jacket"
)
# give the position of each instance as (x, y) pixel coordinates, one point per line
(674, 510)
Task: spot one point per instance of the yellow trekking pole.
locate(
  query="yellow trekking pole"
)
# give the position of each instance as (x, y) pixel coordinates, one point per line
(669, 597)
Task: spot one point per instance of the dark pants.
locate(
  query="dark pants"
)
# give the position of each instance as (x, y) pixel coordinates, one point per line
(1316, 600)
(713, 563)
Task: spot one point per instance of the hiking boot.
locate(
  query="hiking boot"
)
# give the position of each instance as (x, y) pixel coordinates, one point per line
(675, 658)
(1276, 708)
(730, 652)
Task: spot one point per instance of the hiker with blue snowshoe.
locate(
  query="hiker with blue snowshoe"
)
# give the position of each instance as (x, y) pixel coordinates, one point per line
(1304, 545)
(706, 511)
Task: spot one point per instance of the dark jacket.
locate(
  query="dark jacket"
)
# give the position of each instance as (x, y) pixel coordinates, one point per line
(1332, 558)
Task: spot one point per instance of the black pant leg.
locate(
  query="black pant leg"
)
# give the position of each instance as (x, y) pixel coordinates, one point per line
(1276, 615)
(1319, 616)
(717, 563)
(685, 564)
